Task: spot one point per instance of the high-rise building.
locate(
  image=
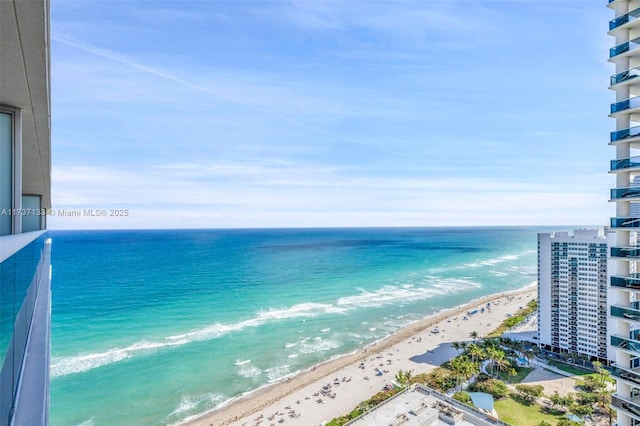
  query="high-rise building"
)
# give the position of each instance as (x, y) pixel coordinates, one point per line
(624, 285)
(572, 293)
(25, 194)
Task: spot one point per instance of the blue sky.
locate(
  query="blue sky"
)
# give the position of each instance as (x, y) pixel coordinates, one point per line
(317, 113)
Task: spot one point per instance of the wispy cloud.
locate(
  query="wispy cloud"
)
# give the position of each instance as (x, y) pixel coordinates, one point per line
(329, 113)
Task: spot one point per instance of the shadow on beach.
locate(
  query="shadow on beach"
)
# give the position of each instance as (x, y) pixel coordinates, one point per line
(436, 357)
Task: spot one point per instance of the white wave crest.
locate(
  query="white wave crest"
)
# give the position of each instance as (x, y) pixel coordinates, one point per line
(241, 362)
(190, 402)
(249, 371)
(276, 373)
(399, 295)
(296, 311)
(318, 346)
(495, 260)
(61, 366)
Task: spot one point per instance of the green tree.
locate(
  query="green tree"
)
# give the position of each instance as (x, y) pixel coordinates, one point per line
(403, 377)
(567, 422)
(475, 352)
(462, 396)
(460, 368)
(497, 388)
(529, 393)
(556, 399)
(582, 409)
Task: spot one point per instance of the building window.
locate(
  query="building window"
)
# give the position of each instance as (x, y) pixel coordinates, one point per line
(32, 219)
(6, 172)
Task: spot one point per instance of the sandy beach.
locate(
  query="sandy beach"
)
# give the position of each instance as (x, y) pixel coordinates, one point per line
(335, 387)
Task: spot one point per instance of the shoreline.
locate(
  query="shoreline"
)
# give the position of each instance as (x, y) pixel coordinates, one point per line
(243, 406)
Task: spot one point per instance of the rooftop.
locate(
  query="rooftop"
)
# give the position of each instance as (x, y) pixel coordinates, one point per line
(426, 407)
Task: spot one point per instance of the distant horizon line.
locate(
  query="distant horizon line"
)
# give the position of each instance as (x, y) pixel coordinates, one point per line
(267, 228)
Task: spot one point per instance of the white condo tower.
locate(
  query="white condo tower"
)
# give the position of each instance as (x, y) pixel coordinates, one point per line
(624, 286)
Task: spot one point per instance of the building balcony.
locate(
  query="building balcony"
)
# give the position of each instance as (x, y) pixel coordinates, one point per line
(626, 313)
(625, 374)
(25, 327)
(629, 345)
(624, 48)
(627, 406)
(630, 253)
(630, 106)
(624, 164)
(625, 19)
(631, 223)
(627, 76)
(630, 192)
(632, 282)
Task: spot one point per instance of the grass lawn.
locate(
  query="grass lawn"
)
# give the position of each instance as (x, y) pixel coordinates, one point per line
(515, 413)
(522, 372)
(570, 368)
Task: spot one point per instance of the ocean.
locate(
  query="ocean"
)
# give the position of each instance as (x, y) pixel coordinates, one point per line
(151, 327)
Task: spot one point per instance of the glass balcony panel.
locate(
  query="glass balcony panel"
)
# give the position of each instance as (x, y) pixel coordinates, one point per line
(625, 163)
(628, 375)
(624, 47)
(625, 133)
(621, 20)
(626, 313)
(20, 276)
(626, 405)
(628, 344)
(629, 192)
(626, 104)
(625, 282)
(629, 74)
(625, 222)
(629, 252)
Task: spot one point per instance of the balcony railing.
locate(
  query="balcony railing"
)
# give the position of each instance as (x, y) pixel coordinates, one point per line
(625, 163)
(625, 104)
(621, 20)
(626, 252)
(626, 313)
(632, 282)
(24, 330)
(625, 374)
(623, 193)
(619, 135)
(625, 222)
(623, 343)
(626, 405)
(624, 47)
(627, 75)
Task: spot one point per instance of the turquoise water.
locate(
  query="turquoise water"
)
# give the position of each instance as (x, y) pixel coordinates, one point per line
(152, 327)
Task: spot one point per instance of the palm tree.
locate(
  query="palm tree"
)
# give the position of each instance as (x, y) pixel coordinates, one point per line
(403, 377)
(460, 368)
(456, 346)
(494, 354)
(474, 335)
(475, 352)
(502, 364)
